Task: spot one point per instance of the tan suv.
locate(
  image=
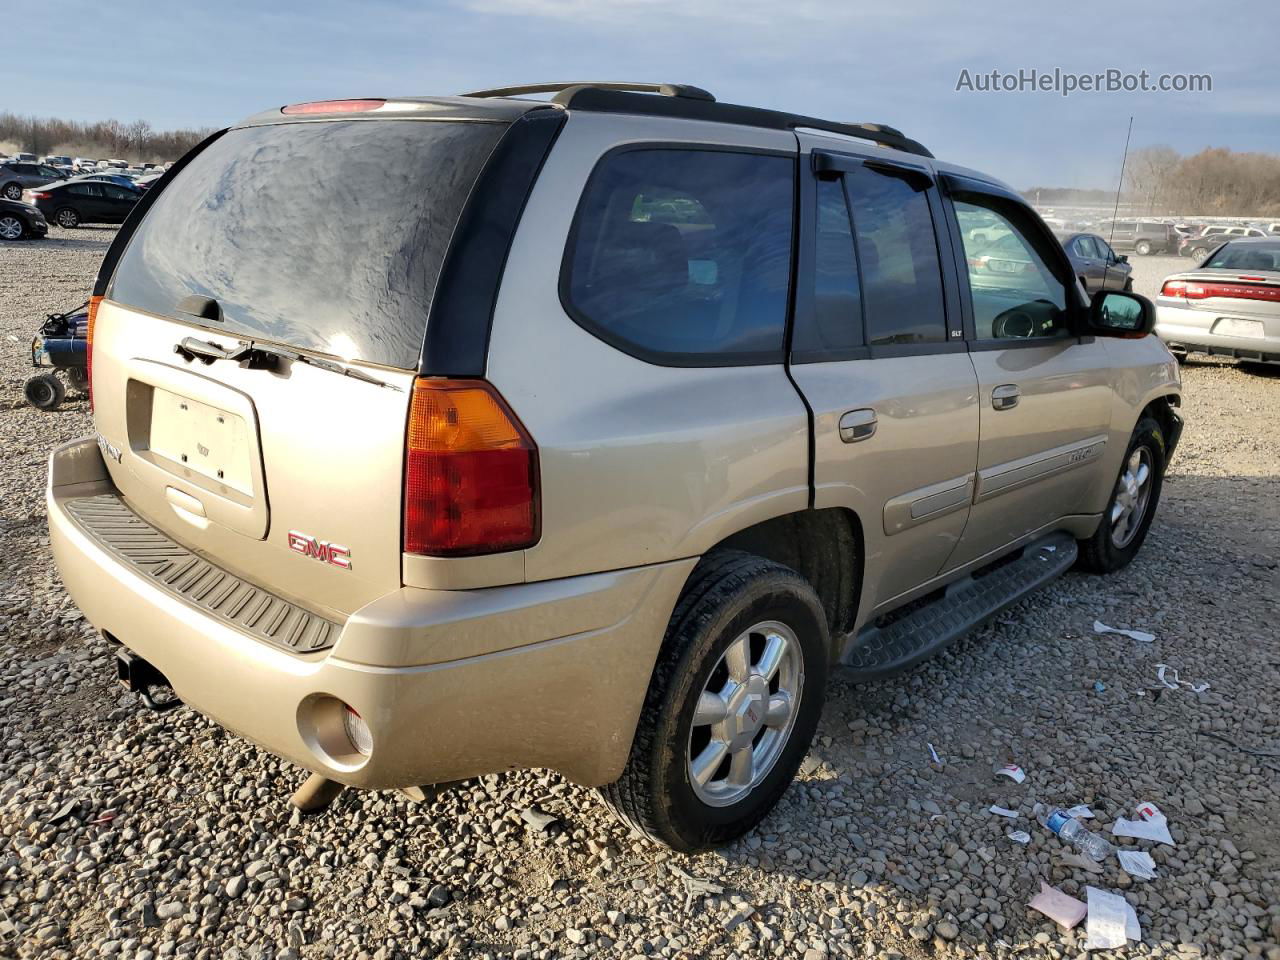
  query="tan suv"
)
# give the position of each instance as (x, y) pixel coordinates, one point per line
(444, 436)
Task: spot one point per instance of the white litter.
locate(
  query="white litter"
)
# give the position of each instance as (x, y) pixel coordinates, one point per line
(1079, 861)
(1169, 677)
(1112, 921)
(1010, 770)
(1061, 908)
(1154, 825)
(1081, 811)
(934, 753)
(1137, 863)
(1019, 836)
(1140, 635)
(1003, 812)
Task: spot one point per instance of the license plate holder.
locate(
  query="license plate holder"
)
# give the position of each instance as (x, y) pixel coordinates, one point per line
(1235, 327)
(205, 439)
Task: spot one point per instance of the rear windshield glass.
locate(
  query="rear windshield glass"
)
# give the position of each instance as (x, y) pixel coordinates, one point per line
(1246, 256)
(327, 236)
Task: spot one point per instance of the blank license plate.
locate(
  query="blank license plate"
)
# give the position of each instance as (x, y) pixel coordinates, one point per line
(1230, 327)
(209, 441)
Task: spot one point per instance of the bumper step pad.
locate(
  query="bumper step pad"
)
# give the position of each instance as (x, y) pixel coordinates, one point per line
(107, 521)
(880, 652)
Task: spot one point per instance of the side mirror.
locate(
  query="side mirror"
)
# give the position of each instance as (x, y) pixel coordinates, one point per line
(1122, 258)
(1114, 314)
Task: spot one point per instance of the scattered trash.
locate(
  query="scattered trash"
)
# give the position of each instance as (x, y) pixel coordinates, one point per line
(1099, 686)
(537, 819)
(1072, 831)
(1019, 836)
(1063, 909)
(1068, 859)
(1010, 770)
(1140, 635)
(739, 916)
(1154, 825)
(934, 753)
(1080, 811)
(13, 338)
(938, 816)
(103, 818)
(1137, 863)
(696, 886)
(1169, 677)
(1003, 812)
(1112, 920)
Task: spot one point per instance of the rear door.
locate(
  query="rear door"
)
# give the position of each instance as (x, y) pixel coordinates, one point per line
(877, 353)
(118, 201)
(1090, 262)
(1044, 393)
(324, 238)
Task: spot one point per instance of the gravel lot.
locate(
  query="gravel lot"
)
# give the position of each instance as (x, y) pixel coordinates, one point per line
(126, 834)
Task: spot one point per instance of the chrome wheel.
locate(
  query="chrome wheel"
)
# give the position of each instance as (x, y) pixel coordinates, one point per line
(68, 218)
(13, 192)
(1133, 492)
(745, 713)
(10, 228)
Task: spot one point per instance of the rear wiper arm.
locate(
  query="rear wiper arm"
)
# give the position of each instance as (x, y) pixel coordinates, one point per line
(265, 356)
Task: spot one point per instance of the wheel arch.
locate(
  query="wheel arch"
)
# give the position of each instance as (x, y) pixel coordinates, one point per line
(824, 546)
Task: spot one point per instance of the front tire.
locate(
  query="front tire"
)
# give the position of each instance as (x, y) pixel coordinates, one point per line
(1133, 502)
(67, 218)
(1143, 248)
(12, 228)
(732, 707)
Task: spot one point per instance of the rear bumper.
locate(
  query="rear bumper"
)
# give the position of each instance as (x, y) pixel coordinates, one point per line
(452, 684)
(1192, 331)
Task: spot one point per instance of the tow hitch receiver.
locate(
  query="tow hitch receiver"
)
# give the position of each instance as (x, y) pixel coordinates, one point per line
(140, 677)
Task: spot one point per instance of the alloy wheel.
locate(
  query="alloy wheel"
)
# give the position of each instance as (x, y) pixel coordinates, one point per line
(745, 713)
(1133, 493)
(10, 228)
(68, 218)
(13, 192)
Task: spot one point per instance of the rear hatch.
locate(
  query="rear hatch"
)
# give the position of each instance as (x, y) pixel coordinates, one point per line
(309, 252)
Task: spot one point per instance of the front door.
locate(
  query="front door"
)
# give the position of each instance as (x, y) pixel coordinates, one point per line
(1044, 393)
(877, 353)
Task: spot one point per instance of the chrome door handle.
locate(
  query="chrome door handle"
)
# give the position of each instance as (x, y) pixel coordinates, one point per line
(858, 425)
(1005, 396)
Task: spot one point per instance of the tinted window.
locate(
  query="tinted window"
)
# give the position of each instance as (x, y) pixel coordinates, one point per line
(898, 253)
(327, 236)
(684, 255)
(1015, 292)
(1085, 247)
(119, 193)
(837, 303)
(85, 190)
(1246, 256)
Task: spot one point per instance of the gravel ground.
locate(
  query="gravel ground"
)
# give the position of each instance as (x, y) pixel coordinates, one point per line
(127, 834)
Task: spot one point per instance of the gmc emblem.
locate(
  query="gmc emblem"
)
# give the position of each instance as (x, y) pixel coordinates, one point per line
(321, 550)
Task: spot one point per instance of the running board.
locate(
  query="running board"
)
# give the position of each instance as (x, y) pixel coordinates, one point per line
(879, 652)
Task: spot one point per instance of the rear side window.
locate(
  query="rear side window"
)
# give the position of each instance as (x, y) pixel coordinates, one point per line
(683, 256)
(327, 236)
(1085, 247)
(898, 254)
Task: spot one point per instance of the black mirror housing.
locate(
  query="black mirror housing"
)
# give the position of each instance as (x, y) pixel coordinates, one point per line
(1122, 258)
(1116, 314)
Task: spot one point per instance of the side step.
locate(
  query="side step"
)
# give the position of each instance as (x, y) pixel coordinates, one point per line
(879, 652)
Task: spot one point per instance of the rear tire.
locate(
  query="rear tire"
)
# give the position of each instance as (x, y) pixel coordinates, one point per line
(736, 609)
(1143, 248)
(44, 391)
(13, 191)
(1199, 253)
(68, 218)
(1133, 502)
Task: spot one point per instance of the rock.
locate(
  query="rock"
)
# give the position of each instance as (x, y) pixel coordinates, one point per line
(946, 930)
(169, 909)
(576, 936)
(236, 886)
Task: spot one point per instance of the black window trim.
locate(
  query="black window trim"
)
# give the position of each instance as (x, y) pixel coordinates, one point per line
(662, 358)
(955, 186)
(825, 162)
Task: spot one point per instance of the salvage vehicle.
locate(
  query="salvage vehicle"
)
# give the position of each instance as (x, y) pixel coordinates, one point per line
(1229, 306)
(83, 201)
(444, 436)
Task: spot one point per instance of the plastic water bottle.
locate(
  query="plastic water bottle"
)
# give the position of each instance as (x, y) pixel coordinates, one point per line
(1057, 820)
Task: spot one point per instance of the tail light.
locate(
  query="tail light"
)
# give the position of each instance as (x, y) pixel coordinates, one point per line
(40, 195)
(471, 472)
(1191, 290)
(94, 303)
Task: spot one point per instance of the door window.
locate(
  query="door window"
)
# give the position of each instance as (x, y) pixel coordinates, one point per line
(684, 255)
(837, 296)
(1104, 250)
(119, 193)
(898, 254)
(1015, 293)
(1085, 248)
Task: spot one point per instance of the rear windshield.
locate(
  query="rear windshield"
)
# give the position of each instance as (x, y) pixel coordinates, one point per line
(1246, 256)
(327, 236)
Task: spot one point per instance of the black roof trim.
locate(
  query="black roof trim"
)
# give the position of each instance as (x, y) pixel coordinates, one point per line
(601, 99)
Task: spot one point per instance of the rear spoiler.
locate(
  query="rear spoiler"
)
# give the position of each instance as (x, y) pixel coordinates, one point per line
(125, 233)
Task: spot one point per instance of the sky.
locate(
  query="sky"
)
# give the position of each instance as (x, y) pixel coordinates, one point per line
(179, 63)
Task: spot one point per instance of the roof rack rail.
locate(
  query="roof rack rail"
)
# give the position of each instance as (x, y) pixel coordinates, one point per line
(565, 91)
(618, 98)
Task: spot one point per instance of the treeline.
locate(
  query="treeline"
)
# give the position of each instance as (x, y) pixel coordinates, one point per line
(1216, 181)
(1068, 196)
(136, 142)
